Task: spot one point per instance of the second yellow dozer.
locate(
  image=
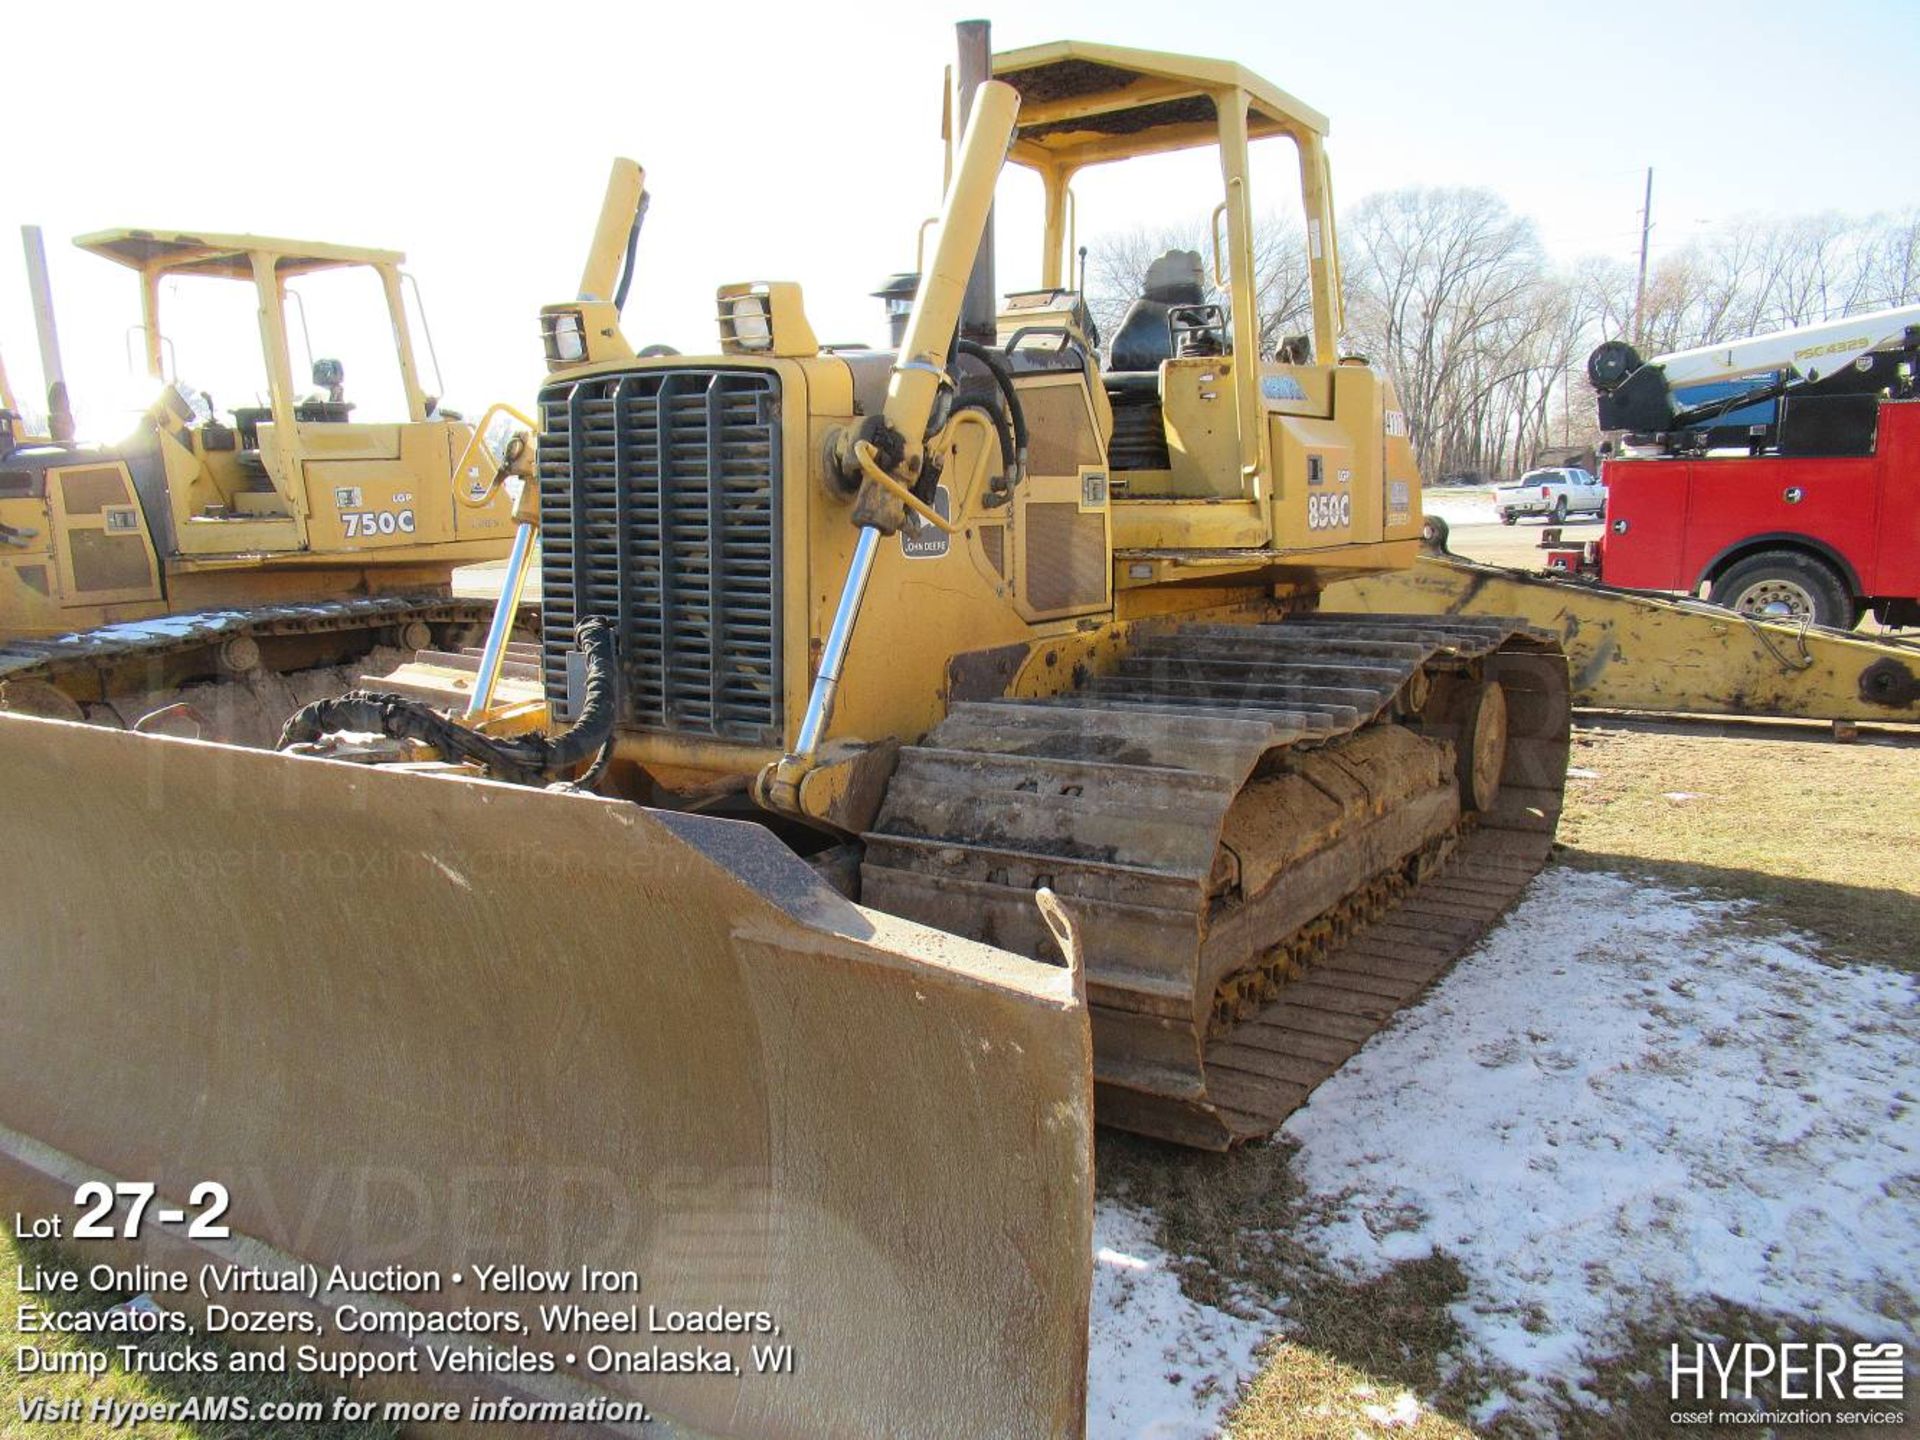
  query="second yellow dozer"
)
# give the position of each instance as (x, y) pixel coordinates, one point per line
(931, 739)
(227, 569)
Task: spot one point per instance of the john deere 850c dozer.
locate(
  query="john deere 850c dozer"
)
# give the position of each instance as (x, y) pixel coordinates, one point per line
(1001, 612)
(1009, 641)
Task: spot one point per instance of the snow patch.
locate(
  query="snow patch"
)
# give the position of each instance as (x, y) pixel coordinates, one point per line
(1618, 1101)
(1403, 1414)
(1459, 509)
(1160, 1366)
(160, 627)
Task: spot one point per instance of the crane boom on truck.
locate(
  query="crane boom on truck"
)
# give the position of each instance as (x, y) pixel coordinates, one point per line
(1854, 355)
(1800, 518)
(1809, 511)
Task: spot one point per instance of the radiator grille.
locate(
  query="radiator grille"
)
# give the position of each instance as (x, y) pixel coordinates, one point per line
(660, 510)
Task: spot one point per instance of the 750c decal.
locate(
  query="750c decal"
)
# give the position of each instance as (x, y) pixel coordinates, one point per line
(365, 523)
(1329, 512)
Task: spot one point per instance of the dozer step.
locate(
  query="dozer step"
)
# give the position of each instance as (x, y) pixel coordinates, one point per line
(1263, 863)
(446, 678)
(467, 662)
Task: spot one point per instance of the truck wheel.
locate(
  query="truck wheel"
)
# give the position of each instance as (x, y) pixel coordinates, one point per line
(1785, 585)
(1507, 517)
(1433, 534)
(1560, 510)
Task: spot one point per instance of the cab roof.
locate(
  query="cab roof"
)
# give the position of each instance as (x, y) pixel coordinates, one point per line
(1082, 103)
(180, 252)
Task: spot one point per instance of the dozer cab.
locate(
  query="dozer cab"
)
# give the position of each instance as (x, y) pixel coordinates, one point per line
(932, 738)
(290, 534)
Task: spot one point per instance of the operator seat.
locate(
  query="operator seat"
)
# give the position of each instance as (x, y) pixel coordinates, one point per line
(1144, 338)
(333, 408)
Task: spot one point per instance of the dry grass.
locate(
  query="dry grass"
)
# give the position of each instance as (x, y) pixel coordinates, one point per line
(117, 1383)
(1306, 1394)
(1348, 1346)
(1633, 1382)
(1819, 835)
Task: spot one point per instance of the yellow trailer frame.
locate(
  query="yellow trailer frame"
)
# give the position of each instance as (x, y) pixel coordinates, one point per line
(1630, 651)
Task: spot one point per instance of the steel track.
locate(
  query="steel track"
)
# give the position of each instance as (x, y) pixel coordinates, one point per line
(1221, 998)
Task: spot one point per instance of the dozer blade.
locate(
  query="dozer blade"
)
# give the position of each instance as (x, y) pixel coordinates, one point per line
(434, 1023)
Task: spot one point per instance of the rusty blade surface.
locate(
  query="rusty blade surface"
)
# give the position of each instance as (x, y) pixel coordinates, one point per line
(445, 1023)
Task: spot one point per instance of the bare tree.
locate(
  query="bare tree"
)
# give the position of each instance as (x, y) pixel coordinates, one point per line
(1485, 341)
(1439, 282)
(1117, 268)
(1762, 275)
(1893, 260)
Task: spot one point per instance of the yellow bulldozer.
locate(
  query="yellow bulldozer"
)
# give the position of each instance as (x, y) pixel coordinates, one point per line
(292, 539)
(1002, 612)
(922, 743)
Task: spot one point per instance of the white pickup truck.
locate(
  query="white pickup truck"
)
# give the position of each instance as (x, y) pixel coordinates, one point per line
(1555, 494)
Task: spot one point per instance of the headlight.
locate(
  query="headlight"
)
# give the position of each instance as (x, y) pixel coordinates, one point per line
(569, 341)
(752, 325)
(565, 336)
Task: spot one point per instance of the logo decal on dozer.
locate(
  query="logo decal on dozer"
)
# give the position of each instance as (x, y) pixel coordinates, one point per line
(924, 540)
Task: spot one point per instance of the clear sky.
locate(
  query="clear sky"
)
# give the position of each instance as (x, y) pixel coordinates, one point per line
(802, 142)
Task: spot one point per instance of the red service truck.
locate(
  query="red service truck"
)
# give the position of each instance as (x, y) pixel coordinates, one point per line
(1792, 490)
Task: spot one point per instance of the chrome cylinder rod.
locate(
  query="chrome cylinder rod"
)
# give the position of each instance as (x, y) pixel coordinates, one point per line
(833, 654)
(501, 629)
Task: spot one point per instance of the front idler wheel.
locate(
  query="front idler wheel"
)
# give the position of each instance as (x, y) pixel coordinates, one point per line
(1482, 754)
(1472, 713)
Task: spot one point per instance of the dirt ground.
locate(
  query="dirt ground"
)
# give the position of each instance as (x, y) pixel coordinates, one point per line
(1517, 545)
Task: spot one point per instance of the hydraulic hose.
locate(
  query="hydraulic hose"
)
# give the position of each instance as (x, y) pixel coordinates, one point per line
(526, 759)
(633, 246)
(1003, 377)
(599, 701)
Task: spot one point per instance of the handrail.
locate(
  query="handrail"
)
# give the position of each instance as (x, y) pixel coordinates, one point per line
(475, 441)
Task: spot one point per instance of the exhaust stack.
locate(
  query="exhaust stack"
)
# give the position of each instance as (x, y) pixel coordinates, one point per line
(60, 425)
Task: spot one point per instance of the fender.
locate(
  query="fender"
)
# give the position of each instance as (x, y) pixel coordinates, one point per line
(1782, 540)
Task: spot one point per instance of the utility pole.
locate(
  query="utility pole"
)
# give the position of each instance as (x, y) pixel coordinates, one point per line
(1640, 289)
